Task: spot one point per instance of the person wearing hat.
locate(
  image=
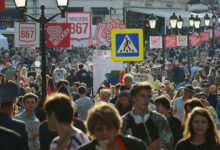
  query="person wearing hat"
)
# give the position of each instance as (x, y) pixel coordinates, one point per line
(178, 106)
(8, 94)
(212, 98)
(10, 140)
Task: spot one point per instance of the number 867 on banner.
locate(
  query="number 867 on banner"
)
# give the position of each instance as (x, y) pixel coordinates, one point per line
(80, 25)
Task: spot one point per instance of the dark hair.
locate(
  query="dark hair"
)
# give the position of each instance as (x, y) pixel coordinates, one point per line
(76, 84)
(61, 105)
(140, 86)
(194, 102)
(117, 86)
(82, 90)
(163, 100)
(30, 95)
(211, 135)
(62, 82)
(51, 83)
(124, 93)
(81, 66)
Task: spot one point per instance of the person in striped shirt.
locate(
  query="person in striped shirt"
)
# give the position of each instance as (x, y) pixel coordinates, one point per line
(59, 111)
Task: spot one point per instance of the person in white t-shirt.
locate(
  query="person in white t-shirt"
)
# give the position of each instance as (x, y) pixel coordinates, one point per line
(59, 72)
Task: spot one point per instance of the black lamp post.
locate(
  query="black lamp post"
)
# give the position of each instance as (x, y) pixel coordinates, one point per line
(194, 25)
(62, 5)
(207, 24)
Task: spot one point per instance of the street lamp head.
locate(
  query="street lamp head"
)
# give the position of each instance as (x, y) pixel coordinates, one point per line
(214, 18)
(180, 23)
(197, 22)
(152, 21)
(191, 21)
(218, 19)
(207, 20)
(21, 4)
(173, 21)
(62, 5)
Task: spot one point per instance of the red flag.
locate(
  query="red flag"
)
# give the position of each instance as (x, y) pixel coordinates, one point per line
(58, 34)
(195, 40)
(2, 5)
(171, 41)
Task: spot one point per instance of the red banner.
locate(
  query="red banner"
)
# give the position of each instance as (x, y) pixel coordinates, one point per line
(205, 36)
(155, 42)
(170, 41)
(181, 40)
(217, 32)
(195, 40)
(58, 35)
(2, 5)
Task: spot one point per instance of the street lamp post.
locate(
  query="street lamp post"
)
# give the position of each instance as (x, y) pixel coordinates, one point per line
(152, 22)
(62, 5)
(207, 24)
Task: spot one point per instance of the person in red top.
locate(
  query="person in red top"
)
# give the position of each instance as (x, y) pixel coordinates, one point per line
(17, 77)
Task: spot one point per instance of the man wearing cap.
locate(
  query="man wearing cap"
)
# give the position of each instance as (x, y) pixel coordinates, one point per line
(212, 98)
(8, 94)
(178, 106)
(30, 102)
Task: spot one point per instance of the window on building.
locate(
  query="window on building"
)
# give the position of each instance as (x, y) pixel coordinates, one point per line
(75, 9)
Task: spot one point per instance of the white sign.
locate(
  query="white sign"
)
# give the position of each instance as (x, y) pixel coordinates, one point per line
(181, 40)
(80, 25)
(103, 58)
(27, 34)
(155, 42)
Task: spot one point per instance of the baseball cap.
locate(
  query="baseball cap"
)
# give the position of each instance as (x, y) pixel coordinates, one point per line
(205, 83)
(8, 91)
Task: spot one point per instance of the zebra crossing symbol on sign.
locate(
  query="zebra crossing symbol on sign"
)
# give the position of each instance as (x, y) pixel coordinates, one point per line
(127, 46)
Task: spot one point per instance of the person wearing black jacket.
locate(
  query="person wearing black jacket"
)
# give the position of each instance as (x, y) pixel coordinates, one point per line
(8, 93)
(163, 106)
(10, 140)
(83, 76)
(123, 103)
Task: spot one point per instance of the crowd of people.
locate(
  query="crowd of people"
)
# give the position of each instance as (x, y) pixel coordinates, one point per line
(177, 107)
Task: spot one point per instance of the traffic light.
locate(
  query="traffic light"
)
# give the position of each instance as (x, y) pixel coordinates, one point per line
(147, 25)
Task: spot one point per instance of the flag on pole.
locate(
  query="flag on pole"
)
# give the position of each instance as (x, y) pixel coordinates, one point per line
(2, 5)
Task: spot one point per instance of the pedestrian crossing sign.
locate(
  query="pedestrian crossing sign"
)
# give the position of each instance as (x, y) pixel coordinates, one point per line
(127, 45)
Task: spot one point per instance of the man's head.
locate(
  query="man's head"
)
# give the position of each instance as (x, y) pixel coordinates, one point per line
(81, 66)
(82, 91)
(167, 84)
(162, 104)
(30, 102)
(75, 86)
(188, 92)
(128, 80)
(141, 94)
(186, 81)
(205, 86)
(8, 94)
(123, 98)
(117, 89)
